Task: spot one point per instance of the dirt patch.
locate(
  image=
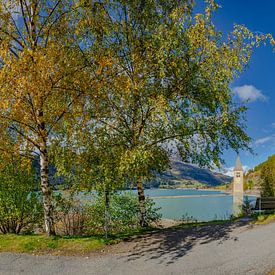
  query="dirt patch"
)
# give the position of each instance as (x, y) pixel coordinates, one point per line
(166, 223)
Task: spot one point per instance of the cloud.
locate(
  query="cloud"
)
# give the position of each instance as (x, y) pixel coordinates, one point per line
(249, 93)
(267, 139)
(229, 171)
(273, 125)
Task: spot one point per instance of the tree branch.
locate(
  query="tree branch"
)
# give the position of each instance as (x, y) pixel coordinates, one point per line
(12, 127)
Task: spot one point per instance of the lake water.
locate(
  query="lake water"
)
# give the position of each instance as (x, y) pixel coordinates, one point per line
(201, 205)
(218, 205)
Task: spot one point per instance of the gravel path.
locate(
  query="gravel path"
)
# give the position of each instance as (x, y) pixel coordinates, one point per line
(217, 249)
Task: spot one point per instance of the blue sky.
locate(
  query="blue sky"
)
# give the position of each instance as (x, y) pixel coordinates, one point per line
(258, 81)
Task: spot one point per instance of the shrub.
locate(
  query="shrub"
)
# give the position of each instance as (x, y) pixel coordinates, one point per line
(247, 207)
(70, 216)
(76, 218)
(123, 213)
(20, 205)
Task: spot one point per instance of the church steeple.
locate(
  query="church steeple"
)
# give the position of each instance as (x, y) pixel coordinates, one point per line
(238, 189)
(238, 166)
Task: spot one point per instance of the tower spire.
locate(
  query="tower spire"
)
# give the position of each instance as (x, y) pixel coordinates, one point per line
(238, 165)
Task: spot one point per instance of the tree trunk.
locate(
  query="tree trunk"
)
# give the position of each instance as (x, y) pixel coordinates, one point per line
(107, 214)
(46, 191)
(141, 199)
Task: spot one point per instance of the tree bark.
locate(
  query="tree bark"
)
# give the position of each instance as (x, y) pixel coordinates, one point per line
(107, 212)
(46, 191)
(141, 199)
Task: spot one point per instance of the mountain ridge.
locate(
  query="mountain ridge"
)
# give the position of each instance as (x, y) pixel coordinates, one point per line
(183, 174)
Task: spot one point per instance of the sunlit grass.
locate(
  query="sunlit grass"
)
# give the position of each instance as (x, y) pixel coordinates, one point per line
(62, 245)
(265, 218)
(41, 244)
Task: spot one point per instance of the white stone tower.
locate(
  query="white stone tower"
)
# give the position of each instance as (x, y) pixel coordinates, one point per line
(238, 177)
(238, 188)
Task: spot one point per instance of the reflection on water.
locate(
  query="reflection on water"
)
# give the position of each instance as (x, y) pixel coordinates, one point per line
(238, 200)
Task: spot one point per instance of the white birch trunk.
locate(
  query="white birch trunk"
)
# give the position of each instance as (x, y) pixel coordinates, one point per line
(46, 192)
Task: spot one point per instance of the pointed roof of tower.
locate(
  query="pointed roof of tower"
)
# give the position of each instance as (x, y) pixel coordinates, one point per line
(238, 166)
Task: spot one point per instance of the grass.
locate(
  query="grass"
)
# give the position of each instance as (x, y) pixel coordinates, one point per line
(265, 218)
(62, 245)
(41, 244)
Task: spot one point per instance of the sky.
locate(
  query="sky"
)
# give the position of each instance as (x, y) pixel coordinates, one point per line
(257, 82)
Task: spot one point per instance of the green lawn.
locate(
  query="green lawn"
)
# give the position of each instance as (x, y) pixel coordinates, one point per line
(41, 244)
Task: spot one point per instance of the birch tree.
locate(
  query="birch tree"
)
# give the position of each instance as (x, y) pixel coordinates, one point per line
(172, 71)
(40, 81)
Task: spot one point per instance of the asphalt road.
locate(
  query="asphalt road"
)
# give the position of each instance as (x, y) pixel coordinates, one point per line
(219, 249)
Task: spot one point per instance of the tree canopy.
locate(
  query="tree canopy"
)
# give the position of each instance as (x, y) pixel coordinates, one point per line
(168, 83)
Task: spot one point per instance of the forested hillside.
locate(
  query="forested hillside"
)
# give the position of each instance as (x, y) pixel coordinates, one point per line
(253, 177)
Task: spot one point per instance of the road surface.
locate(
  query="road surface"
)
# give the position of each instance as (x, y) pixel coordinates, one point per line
(219, 249)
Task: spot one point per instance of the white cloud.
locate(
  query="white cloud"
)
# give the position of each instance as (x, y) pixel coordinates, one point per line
(229, 171)
(249, 93)
(273, 125)
(266, 139)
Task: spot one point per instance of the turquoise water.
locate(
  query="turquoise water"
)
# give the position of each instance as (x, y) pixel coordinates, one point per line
(179, 192)
(212, 205)
(205, 208)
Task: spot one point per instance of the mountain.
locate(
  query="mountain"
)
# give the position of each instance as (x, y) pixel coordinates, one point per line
(187, 175)
(179, 175)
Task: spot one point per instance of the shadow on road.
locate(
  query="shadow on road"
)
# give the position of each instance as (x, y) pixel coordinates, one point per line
(169, 245)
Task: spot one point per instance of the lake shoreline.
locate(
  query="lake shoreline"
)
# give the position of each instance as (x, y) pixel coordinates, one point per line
(253, 193)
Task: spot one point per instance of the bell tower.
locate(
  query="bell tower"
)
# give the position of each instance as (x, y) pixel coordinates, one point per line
(238, 177)
(238, 188)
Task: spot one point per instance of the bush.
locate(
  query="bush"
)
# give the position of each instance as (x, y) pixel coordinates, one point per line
(247, 207)
(70, 216)
(20, 205)
(123, 213)
(76, 218)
